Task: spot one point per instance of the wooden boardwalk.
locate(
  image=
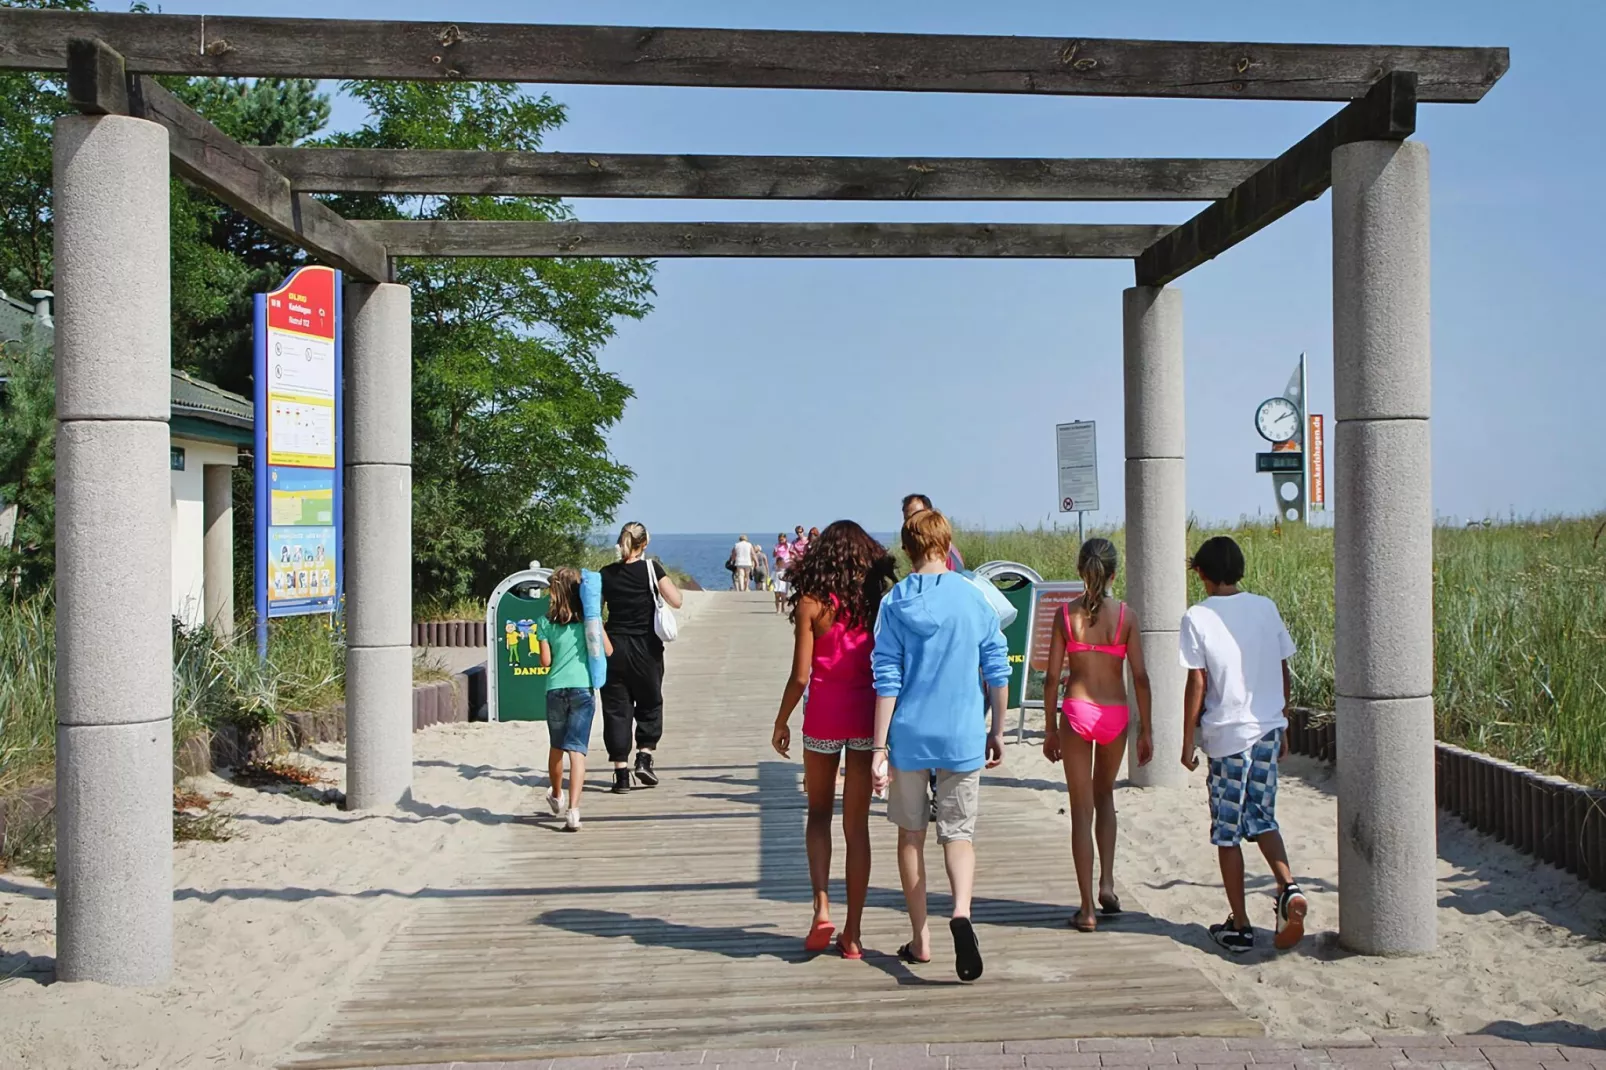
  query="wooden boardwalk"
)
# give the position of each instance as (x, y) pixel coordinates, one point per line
(674, 920)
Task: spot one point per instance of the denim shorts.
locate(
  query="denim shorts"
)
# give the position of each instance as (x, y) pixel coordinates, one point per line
(569, 711)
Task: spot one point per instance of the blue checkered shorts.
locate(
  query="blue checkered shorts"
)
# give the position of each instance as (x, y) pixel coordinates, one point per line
(1243, 793)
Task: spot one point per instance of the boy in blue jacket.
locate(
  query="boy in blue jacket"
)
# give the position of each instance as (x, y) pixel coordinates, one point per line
(936, 631)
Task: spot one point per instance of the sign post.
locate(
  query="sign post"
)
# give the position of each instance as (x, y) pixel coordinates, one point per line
(1077, 446)
(299, 455)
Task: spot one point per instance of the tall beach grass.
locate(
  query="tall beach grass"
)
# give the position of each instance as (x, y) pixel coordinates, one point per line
(1519, 614)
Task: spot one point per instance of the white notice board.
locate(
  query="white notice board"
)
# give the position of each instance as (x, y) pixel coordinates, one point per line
(1078, 449)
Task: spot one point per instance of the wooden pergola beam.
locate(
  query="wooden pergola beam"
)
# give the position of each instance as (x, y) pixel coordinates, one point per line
(442, 238)
(201, 153)
(843, 178)
(1303, 173)
(774, 59)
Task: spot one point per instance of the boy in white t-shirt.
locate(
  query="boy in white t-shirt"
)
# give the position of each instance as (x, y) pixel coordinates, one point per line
(1236, 649)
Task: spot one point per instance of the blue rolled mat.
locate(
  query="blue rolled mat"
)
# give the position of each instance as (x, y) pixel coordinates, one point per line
(591, 607)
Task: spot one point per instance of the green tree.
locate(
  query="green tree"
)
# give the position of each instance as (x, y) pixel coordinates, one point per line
(28, 465)
(511, 409)
(29, 105)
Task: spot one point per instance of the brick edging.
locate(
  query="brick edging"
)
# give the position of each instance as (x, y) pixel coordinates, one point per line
(1548, 817)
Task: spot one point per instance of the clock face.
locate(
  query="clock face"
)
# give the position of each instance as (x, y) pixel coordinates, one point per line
(1277, 419)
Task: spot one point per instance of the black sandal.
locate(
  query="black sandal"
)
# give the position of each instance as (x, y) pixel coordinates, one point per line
(907, 954)
(1110, 906)
(967, 949)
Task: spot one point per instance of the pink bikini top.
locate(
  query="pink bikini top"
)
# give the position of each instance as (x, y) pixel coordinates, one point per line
(1073, 646)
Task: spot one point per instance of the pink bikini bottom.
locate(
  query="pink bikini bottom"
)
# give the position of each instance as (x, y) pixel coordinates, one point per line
(1095, 723)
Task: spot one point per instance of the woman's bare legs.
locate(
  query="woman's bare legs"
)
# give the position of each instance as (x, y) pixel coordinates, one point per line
(1106, 765)
(1077, 755)
(819, 781)
(856, 830)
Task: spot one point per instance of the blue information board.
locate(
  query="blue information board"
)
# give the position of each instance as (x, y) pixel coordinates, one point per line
(299, 453)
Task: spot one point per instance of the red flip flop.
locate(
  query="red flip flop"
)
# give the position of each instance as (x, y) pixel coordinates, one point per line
(819, 937)
(850, 955)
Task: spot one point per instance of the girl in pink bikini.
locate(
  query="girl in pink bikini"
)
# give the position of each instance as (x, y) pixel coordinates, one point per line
(1093, 642)
(834, 592)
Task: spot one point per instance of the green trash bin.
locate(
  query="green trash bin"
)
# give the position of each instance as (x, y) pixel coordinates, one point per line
(1014, 581)
(514, 619)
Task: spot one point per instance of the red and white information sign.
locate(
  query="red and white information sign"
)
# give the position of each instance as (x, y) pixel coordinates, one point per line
(1317, 450)
(301, 369)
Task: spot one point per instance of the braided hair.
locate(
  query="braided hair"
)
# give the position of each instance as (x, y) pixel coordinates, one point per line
(1096, 565)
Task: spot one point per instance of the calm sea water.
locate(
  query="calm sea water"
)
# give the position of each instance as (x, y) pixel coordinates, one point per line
(704, 556)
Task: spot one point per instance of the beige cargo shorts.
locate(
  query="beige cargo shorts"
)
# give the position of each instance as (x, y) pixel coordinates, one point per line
(958, 800)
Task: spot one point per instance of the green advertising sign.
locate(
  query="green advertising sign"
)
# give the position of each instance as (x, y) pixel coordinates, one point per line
(518, 617)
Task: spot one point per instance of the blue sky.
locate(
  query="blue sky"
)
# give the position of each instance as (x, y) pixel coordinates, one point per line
(774, 392)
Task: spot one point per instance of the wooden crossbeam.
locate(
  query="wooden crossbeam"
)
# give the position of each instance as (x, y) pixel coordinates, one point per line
(776, 59)
(1303, 173)
(203, 154)
(845, 178)
(431, 238)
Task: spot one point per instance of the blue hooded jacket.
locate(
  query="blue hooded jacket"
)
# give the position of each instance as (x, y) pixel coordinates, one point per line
(933, 635)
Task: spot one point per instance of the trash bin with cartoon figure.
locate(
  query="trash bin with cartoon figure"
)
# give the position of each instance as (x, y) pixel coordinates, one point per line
(1015, 581)
(514, 618)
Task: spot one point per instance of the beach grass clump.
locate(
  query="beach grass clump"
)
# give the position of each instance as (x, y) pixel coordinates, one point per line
(27, 692)
(1519, 617)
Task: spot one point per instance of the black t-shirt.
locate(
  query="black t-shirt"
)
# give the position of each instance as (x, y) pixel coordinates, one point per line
(627, 594)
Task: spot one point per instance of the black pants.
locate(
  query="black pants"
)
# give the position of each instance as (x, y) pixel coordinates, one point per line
(634, 693)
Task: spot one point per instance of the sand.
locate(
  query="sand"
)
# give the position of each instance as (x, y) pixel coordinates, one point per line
(273, 926)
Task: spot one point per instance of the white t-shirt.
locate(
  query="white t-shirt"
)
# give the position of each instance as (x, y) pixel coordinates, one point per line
(1240, 641)
(742, 554)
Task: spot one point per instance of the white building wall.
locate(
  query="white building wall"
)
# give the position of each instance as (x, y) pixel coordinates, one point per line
(189, 526)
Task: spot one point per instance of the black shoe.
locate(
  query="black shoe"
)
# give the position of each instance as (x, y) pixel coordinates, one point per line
(644, 770)
(621, 782)
(1233, 938)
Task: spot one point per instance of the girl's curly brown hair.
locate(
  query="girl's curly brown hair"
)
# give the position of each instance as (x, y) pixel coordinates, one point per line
(846, 562)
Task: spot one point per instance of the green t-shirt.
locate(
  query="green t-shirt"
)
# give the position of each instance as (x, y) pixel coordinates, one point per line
(569, 664)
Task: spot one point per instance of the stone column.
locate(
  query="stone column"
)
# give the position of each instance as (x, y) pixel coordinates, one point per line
(1156, 513)
(114, 646)
(1383, 548)
(379, 545)
(217, 549)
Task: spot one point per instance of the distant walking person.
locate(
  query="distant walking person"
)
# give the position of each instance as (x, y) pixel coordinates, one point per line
(935, 633)
(919, 503)
(1095, 643)
(633, 696)
(1236, 649)
(800, 542)
(741, 560)
(783, 557)
(836, 593)
(569, 702)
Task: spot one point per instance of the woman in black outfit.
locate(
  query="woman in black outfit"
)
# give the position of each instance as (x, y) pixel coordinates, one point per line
(634, 691)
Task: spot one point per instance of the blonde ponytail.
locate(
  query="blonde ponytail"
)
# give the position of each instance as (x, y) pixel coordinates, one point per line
(632, 540)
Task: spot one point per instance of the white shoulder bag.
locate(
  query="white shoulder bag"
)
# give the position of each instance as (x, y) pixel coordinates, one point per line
(663, 618)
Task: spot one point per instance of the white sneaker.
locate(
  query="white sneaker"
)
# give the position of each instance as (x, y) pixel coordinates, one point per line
(571, 820)
(556, 804)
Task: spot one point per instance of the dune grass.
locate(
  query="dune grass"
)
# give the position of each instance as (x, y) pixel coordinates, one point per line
(1520, 621)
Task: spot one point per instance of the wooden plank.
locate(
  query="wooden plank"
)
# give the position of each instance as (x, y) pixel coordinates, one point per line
(1303, 173)
(99, 85)
(777, 59)
(847, 178)
(429, 238)
(677, 935)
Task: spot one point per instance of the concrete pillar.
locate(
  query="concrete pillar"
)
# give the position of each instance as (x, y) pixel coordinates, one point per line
(1156, 513)
(379, 545)
(1383, 547)
(114, 646)
(217, 549)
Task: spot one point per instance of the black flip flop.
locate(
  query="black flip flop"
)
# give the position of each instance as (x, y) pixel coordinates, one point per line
(967, 949)
(907, 954)
(1110, 907)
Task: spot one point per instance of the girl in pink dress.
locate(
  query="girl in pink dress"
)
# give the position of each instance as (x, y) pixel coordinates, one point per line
(834, 592)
